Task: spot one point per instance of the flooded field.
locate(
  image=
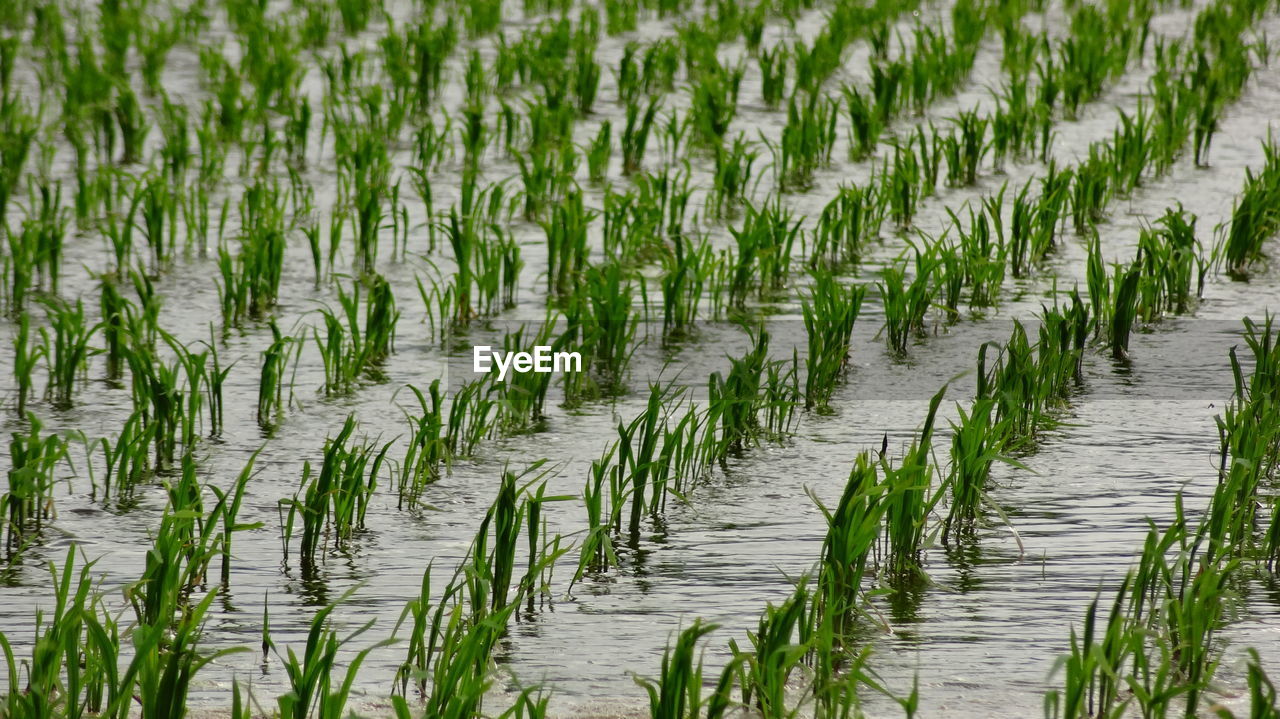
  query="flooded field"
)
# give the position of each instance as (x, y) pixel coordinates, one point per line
(927, 361)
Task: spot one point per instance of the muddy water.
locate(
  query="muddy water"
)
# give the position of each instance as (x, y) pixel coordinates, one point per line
(982, 636)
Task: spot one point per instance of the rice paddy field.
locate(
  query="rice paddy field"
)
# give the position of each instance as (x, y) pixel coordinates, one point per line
(919, 358)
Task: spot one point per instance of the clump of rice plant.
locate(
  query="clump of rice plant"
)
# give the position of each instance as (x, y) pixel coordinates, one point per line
(732, 179)
(1254, 218)
(521, 397)
(28, 497)
(977, 442)
(275, 376)
(776, 652)
(909, 500)
(762, 261)
(714, 103)
(846, 225)
(806, 142)
(66, 350)
(452, 640)
(127, 459)
(853, 530)
(596, 552)
(829, 315)
(25, 357)
(352, 349)
(906, 304)
(754, 400)
(1172, 266)
(677, 691)
(635, 135)
(331, 503)
(428, 454)
(566, 232)
(686, 271)
(311, 675)
(607, 327)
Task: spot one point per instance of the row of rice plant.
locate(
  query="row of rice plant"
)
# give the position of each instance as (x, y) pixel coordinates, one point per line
(1155, 648)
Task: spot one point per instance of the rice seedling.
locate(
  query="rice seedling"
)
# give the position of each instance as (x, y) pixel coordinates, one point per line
(272, 381)
(332, 502)
(773, 74)
(1028, 381)
(67, 352)
(471, 418)
(777, 650)
(1262, 692)
(714, 103)
(806, 143)
(1090, 670)
(635, 134)
(600, 152)
(764, 252)
(909, 499)
(566, 233)
(906, 305)
(28, 499)
(1171, 265)
(853, 529)
(637, 445)
(1191, 620)
(850, 221)
(19, 132)
(56, 676)
(25, 357)
(427, 455)
(1130, 150)
(596, 552)
(754, 400)
(1033, 224)
(977, 442)
(311, 676)
(458, 665)
(732, 179)
(364, 168)
(195, 369)
(228, 510)
(1173, 602)
(607, 324)
(983, 253)
(350, 349)
(127, 459)
(1124, 289)
(178, 561)
(685, 273)
(544, 180)
(621, 16)
(965, 151)
(829, 315)
(39, 245)
(1253, 218)
(251, 280)
(866, 123)
(451, 642)
(905, 183)
(521, 397)
(677, 691)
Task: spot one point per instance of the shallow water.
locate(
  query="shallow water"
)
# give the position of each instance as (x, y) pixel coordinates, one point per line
(982, 636)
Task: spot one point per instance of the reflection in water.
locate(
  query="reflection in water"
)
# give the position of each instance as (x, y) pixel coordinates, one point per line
(312, 585)
(966, 558)
(905, 599)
